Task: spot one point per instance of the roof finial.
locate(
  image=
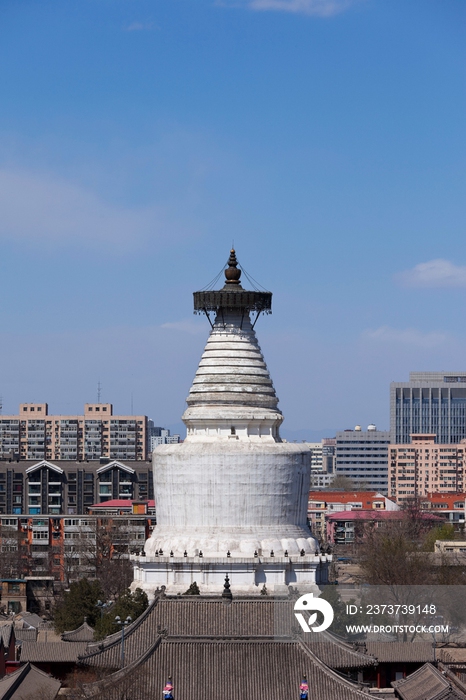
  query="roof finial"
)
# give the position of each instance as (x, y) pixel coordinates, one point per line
(232, 273)
(226, 593)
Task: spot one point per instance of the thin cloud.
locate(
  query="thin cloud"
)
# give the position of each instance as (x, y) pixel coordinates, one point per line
(140, 26)
(434, 273)
(408, 337)
(316, 8)
(38, 208)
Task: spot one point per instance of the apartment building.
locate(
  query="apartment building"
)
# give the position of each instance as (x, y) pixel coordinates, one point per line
(34, 434)
(362, 456)
(64, 487)
(57, 518)
(67, 548)
(328, 455)
(159, 436)
(424, 466)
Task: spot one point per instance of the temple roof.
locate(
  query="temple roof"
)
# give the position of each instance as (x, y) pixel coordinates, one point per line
(83, 633)
(210, 647)
(427, 683)
(229, 668)
(28, 682)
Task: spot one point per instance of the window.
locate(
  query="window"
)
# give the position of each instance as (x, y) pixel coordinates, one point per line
(9, 522)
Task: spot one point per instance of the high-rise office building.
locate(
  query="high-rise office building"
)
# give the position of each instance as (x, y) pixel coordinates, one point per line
(431, 402)
(362, 456)
(34, 434)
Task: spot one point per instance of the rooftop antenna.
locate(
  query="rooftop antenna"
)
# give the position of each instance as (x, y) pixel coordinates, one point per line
(1, 405)
(99, 391)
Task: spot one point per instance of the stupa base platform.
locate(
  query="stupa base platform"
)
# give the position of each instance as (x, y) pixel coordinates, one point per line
(248, 575)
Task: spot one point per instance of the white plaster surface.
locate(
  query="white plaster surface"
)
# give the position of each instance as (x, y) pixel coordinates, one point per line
(237, 496)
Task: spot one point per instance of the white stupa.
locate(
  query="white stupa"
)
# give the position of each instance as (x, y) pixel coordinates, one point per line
(232, 498)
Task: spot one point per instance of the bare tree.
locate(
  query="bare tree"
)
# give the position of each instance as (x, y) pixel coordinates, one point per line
(14, 560)
(100, 550)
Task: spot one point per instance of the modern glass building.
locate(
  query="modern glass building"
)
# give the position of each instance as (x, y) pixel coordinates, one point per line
(431, 402)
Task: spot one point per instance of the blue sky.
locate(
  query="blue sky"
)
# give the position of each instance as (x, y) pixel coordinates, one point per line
(139, 138)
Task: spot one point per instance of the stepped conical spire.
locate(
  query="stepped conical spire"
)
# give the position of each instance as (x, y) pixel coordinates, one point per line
(232, 369)
(232, 386)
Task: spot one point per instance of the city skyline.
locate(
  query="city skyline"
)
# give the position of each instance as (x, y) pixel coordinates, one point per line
(138, 140)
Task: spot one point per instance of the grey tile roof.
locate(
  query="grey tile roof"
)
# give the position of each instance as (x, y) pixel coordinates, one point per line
(427, 684)
(52, 652)
(28, 682)
(231, 669)
(337, 654)
(216, 650)
(24, 634)
(30, 619)
(452, 655)
(193, 616)
(84, 633)
(408, 652)
(5, 633)
(211, 618)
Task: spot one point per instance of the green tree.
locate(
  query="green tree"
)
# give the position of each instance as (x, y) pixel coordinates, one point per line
(446, 531)
(78, 603)
(128, 604)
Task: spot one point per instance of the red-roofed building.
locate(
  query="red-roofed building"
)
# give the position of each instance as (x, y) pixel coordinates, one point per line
(450, 506)
(322, 503)
(120, 506)
(342, 527)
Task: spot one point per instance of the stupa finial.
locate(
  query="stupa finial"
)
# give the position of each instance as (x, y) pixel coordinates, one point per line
(232, 273)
